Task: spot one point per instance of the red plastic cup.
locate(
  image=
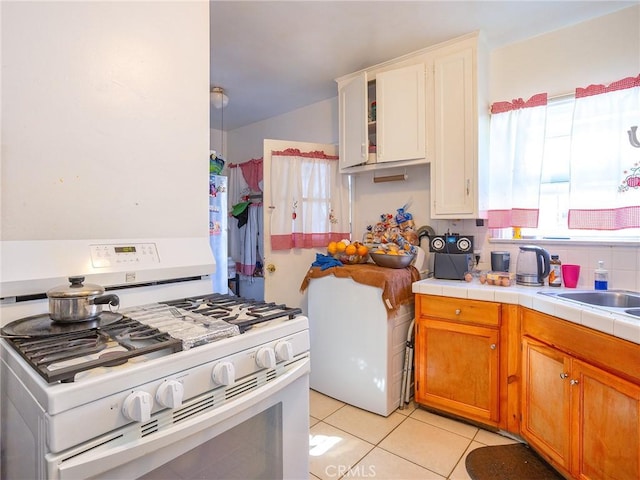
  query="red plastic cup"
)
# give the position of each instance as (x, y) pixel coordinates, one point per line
(570, 275)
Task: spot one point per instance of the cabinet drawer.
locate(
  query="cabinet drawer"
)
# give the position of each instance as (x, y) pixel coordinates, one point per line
(459, 309)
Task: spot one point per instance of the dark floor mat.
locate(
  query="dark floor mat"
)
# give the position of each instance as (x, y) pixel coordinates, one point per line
(508, 462)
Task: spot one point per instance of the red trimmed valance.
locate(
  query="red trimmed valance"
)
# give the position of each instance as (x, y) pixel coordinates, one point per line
(294, 152)
(516, 104)
(623, 84)
(236, 165)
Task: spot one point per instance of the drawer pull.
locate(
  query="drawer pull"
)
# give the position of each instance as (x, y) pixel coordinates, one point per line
(458, 311)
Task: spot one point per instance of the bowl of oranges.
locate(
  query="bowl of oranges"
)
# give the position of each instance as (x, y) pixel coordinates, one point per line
(349, 253)
(392, 256)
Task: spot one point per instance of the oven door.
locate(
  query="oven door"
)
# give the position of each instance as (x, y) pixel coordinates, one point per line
(263, 434)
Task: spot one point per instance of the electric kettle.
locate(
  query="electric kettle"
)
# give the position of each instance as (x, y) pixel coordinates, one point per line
(533, 265)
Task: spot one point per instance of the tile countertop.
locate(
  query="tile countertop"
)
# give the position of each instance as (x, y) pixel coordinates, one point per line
(619, 325)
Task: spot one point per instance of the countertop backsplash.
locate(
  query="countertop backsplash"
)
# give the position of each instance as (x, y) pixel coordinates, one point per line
(620, 259)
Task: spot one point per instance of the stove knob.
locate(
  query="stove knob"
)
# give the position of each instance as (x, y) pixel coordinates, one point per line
(266, 357)
(284, 351)
(224, 373)
(170, 394)
(137, 406)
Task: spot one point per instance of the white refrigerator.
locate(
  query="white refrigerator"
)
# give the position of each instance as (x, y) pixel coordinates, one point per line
(218, 231)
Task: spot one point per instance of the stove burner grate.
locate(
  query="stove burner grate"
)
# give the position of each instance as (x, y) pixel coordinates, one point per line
(59, 353)
(134, 338)
(243, 312)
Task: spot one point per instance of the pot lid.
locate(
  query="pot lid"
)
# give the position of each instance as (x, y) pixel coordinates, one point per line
(77, 289)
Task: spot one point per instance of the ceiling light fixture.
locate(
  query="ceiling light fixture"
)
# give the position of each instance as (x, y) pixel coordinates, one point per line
(218, 98)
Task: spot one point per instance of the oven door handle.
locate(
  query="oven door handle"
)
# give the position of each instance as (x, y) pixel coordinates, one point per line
(165, 445)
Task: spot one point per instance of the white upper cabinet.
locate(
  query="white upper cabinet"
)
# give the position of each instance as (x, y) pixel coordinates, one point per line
(459, 131)
(353, 121)
(391, 134)
(400, 117)
(431, 106)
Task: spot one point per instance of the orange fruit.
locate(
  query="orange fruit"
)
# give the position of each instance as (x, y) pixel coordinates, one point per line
(341, 246)
(350, 249)
(332, 247)
(362, 250)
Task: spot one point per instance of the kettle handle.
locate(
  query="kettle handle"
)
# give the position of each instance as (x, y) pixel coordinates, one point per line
(544, 264)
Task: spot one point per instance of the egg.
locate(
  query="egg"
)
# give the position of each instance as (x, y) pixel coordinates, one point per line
(468, 277)
(505, 282)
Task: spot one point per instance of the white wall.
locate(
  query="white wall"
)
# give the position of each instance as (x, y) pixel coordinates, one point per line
(218, 142)
(316, 123)
(597, 51)
(105, 119)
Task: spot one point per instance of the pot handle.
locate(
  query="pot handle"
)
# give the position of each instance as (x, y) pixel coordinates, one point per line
(112, 300)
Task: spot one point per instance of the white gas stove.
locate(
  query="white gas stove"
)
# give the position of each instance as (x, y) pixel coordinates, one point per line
(141, 389)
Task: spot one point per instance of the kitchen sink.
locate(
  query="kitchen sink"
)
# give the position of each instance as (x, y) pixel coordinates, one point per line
(605, 298)
(619, 301)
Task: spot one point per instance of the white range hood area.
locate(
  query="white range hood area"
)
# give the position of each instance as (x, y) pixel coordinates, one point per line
(33, 267)
(175, 266)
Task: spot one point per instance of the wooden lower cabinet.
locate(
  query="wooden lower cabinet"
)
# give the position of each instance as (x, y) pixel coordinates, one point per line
(583, 419)
(573, 393)
(457, 357)
(458, 369)
(546, 410)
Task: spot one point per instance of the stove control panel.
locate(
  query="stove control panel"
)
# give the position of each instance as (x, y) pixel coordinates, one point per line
(123, 255)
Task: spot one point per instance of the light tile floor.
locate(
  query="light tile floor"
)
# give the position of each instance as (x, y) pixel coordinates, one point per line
(347, 442)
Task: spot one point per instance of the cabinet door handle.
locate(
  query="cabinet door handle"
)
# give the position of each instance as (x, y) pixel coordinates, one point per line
(564, 375)
(458, 311)
(362, 150)
(493, 346)
(574, 382)
(468, 186)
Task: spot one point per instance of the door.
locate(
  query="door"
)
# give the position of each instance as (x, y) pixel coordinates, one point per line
(453, 168)
(457, 368)
(285, 269)
(606, 425)
(546, 415)
(352, 107)
(401, 117)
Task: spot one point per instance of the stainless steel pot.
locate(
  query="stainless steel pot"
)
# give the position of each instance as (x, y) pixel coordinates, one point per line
(78, 302)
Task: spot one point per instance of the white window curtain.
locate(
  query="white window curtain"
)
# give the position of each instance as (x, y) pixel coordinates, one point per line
(517, 136)
(311, 200)
(605, 157)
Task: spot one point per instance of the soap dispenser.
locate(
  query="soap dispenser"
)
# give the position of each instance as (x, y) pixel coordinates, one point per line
(601, 277)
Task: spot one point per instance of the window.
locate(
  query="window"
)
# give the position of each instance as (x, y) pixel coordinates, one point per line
(311, 206)
(582, 170)
(555, 181)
